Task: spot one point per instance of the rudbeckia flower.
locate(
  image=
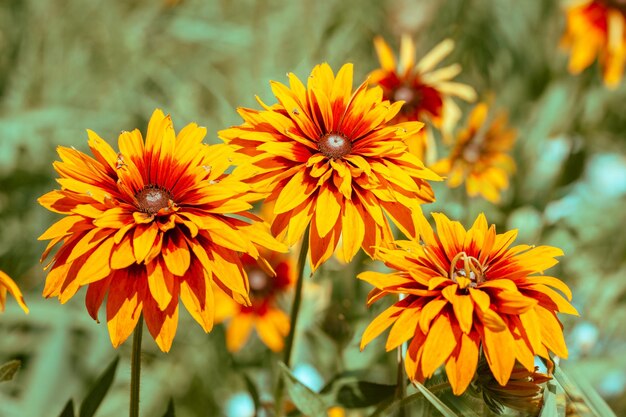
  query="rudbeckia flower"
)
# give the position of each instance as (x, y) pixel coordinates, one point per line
(597, 28)
(467, 291)
(330, 157)
(264, 315)
(8, 285)
(426, 90)
(480, 156)
(148, 225)
(523, 391)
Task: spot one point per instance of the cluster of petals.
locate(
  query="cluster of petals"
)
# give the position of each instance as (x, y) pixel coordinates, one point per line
(480, 157)
(467, 291)
(264, 315)
(597, 29)
(330, 157)
(427, 91)
(7, 285)
(150, 225)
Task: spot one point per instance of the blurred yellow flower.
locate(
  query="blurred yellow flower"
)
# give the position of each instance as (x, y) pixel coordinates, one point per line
(8, 285)
(467, 291)
(597, 28)
(263, 314)
(150, 225)
(329, 157)
(480, 156)
(427, 92)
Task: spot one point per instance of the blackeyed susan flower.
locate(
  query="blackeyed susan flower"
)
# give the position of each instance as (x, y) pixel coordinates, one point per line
(148, 225)
(597, 29)
(329, 157)
(427, 92)
(264, 315)
(8, 285)
(467, 291)
(480, 158)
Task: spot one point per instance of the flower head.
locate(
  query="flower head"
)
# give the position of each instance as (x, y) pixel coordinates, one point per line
(8, 285)
(150, 224)
(426, 91)
(263, 314)
(480, 157)
(329, 157)
(597, 28)
(466, 290)
(523, 391)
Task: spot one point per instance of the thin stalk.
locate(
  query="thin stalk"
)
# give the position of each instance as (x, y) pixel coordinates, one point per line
(400, 389)
(293, 320)
(135, 369)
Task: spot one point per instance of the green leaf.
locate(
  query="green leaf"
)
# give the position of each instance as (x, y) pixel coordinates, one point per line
(579, 387)
(170, 409)
(98, 390)
(348, 391)
(307, 401)
(549, 408)
(68, 410)
(9, 369)
(434, 400)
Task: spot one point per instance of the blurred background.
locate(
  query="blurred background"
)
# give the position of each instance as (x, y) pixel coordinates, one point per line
(69, 65)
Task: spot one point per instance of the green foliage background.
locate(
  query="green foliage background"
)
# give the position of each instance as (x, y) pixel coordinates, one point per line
(69, 65)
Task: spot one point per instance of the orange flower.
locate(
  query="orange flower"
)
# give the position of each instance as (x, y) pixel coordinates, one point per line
(480, 156)
(466, 290)
(523, 391)
(263, 315)
(7, 284)
(328, 157)
(149, 225)
(427, 91)
(597, 28)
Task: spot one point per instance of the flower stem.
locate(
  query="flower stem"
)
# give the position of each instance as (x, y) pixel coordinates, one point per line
(135, 369)
(293, 320)
(400, 389)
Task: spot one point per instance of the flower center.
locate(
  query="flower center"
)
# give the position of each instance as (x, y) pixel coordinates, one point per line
(404, 93)
(153, 198)
(618, 4)
(472, 152)
(466, 271)
(260, 284)
(334, 145)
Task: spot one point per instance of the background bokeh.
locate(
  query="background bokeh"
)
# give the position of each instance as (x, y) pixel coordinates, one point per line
(69, 65)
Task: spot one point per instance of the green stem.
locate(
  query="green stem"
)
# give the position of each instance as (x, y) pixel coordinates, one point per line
(135, 369)
(293, 320)
(400, 389)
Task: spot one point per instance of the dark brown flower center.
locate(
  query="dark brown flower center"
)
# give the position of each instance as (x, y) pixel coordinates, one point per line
(153, 198)
(334, 145)
(466, 271)
(261, 285)
(617, 4)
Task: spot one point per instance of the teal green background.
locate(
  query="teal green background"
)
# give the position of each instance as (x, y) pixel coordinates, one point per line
(69, 65)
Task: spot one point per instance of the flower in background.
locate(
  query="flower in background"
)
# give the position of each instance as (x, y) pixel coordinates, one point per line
(427, 92)
(8, 285)
(328, 157)
(263, 314)
(480, 157)
(148, 225)
(523, 391)
(597, 28)
(467, 290)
